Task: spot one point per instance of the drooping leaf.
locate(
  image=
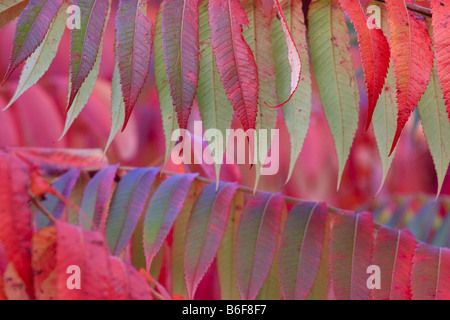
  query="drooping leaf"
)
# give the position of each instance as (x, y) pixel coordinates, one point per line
(86, 252)
(38, 63)
(134, 38)
(441, 22)
(87, 86)
(10, 9)
(117, 106)
(430, 276)
(292, 51)
(384, 123)
(127, 206)
(13, 285)
(181, 53)
(163, 209)
(258, 38)
(168, 114)
(374, 50)
(96, 198)
(52, 203)
(333, 68)
(393, 253)
(205, 231)
(86, 42)
(15, 216)
(31, 29)
(256, 243)
(297, 110)
(226, 260)
(127, 283)
(300, 249)
(436, 127)
(412, 56)
(216, 111)
(234, 58)
(351, 248)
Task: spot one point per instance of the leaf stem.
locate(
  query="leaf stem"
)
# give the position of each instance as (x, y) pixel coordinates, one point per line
(414, 7)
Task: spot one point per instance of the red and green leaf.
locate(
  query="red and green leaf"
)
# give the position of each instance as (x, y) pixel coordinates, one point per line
(86, 42)
(234, 58)
(351, 248)
(300, 249)
(163, 209)
(127, 205)
(257, 241)
(430, 276)
(393, 253)
(205, 231)
(180, 23)
(134, 38)
(31, 29)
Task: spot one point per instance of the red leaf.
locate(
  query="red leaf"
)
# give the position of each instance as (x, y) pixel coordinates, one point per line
(15, 216)
(293, 55)
(134, 38)
(181, 53)
(440, 10)
(234, 58)
(127, 283)
(54, 162)
(86, 42)
(301, 248)
(351, 246)
(44, 263)
(374, 49)
(412, 56)
(86, 250)
(430, 277)
(31, 29)
(256, 243)
(393, 253)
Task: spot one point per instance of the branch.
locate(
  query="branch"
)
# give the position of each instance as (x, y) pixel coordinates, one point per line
(414, 7)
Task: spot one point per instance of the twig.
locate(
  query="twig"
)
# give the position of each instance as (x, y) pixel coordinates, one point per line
(39, 205)
(414, 7)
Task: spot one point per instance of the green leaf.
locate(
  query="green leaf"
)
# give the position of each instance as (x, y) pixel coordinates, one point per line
(127, 205)
(258, 38)
(168, 114)
(436, 127)
(226, 254)
(163, 209)
(296, 111)
(117, 106)
(216, 111)
(384, 122)
(39, 62)
(333, 68)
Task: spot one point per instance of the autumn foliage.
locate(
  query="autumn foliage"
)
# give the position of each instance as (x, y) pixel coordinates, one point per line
(346, 82)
